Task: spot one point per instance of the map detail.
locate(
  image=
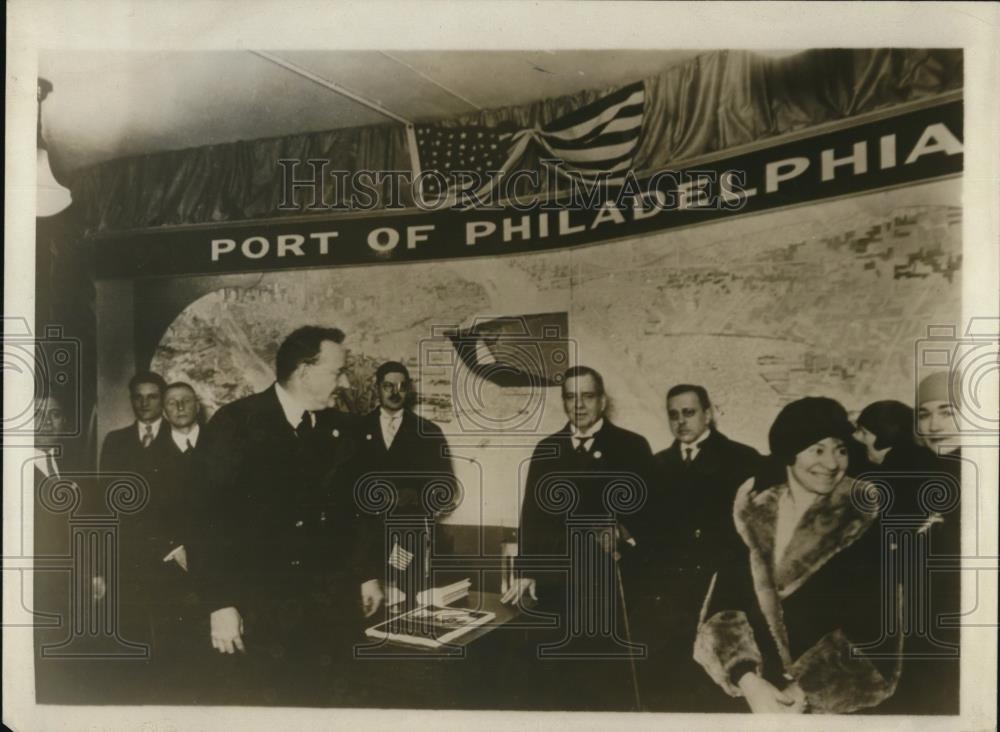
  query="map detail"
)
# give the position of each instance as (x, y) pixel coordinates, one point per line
(826, 300)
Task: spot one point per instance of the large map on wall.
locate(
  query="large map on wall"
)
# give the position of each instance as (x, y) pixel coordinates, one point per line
(824, 299)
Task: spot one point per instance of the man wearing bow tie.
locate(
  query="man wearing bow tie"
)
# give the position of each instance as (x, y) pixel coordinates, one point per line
(411, 453)
(592, 458)
(285, 593)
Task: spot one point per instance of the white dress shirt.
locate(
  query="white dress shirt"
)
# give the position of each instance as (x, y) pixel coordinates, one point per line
(694, 447)
(292, 407)
(141, 427)
(587, 436)
(181, 440)
(390, 423)
(45, 461)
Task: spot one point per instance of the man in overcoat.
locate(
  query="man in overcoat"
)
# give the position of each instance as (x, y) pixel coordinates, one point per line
(585, 492)
(285, 588)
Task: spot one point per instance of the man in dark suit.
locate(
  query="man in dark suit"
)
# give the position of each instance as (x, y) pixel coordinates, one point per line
(162, 542)
(412, 454)
(179, 498)
(279, 573)
(128, 448)
(57, 680)
(584, 496)
(138, 449)
(695, 484)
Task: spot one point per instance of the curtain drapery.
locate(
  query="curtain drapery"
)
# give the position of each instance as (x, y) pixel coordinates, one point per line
(712, 102)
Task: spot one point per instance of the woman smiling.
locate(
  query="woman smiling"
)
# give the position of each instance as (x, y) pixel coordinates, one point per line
(781, 627)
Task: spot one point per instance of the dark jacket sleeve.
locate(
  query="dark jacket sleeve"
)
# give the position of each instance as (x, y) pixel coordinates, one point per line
(537, 528)
(357, 515)
(219, 529)
(445, 498)
(111, 458)
(641, 522)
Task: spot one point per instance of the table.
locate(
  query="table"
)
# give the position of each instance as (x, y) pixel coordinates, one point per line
(466, 674)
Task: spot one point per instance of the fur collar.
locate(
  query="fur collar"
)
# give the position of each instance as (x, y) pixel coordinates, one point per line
(831, 524)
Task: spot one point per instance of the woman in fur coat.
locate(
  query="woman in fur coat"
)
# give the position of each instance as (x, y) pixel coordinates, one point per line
(784, 626)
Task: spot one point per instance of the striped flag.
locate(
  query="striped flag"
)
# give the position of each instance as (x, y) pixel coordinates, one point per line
(399, 558)
(594, 141)
(600, 138)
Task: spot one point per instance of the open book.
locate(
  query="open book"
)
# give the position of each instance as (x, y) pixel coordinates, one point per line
(431, 626)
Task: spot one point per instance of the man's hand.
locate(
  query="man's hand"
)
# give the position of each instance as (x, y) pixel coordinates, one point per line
(371, 597)
(795, 691)
(179, 555)
(765, 698)
(227, 630)
(99, 587)
(517, 588)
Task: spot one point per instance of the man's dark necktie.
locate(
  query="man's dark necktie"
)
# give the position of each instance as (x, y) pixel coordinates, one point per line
(305, 425)
(687, 455)
(581, 445)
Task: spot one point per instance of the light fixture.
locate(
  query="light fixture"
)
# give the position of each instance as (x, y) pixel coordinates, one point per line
(52, 197)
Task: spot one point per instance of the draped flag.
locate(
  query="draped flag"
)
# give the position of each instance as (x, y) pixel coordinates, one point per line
(593, 142)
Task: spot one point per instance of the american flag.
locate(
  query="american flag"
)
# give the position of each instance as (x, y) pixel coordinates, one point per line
(445, 149)
(399, 558)
(600, 138)
(593, 141)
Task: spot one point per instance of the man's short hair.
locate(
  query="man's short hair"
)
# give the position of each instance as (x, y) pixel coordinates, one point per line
(575, 372)
(391, 367)
(302, 346)
(698, 391)
(180, 385)
(147, 377)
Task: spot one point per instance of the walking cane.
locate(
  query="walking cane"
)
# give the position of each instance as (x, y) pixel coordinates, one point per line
(628, 631)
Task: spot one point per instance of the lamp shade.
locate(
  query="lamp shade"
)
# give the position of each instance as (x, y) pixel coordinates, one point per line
(51, 197)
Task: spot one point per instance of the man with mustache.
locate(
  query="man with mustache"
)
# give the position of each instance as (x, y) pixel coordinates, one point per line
(410, 453)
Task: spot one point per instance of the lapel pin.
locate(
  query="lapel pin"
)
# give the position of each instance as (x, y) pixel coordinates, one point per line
(597, 454)
(335, 433)
(368, 436)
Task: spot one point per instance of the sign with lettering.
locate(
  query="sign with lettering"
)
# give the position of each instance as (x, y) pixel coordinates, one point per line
(892, 150)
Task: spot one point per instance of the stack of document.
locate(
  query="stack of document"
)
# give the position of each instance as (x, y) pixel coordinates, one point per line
(444, 596)
(430, 626)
